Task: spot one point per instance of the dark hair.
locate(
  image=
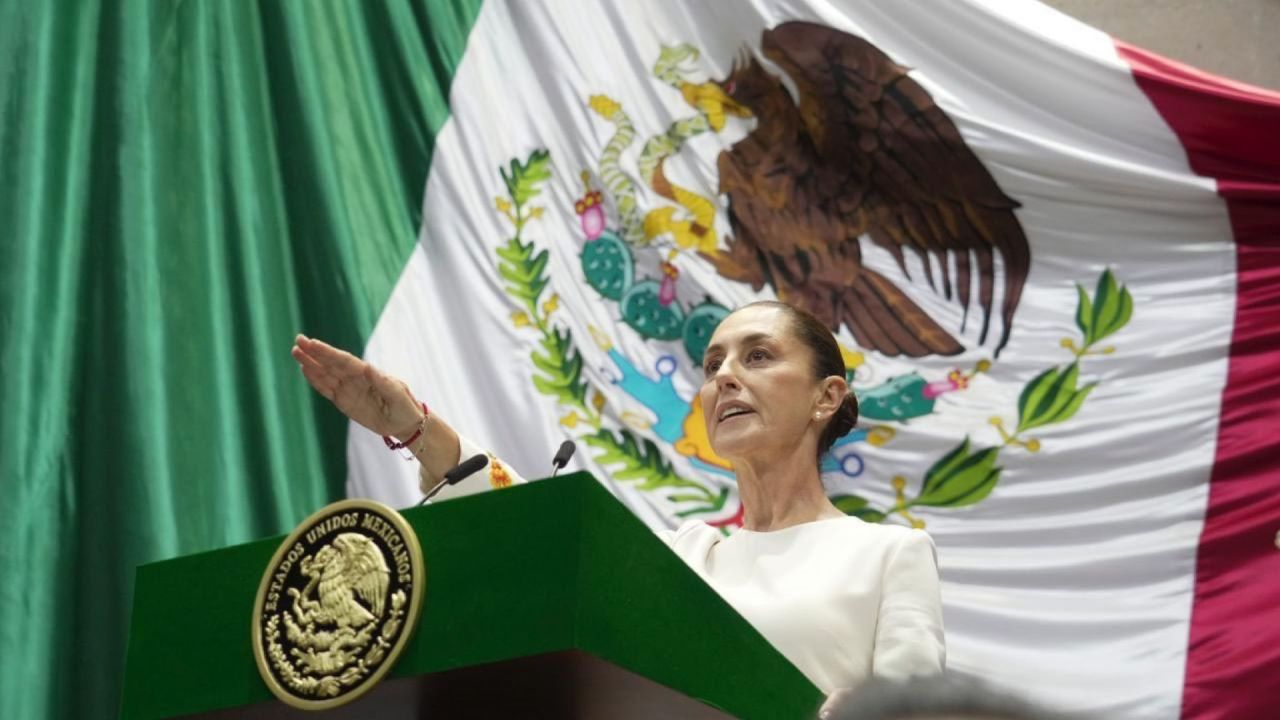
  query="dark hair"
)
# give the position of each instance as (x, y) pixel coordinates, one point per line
(941, 696)
(827, 361)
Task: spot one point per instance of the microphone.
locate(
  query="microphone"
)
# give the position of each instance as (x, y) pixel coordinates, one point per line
(459, 471)
(562, 456)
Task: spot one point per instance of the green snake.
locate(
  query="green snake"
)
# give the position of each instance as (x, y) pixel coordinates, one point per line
(656, 150)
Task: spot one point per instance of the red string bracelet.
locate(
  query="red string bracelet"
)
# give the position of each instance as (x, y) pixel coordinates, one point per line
(392, 444)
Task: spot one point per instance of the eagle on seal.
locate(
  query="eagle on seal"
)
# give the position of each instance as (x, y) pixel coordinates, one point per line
(864, 151)
(350, 566)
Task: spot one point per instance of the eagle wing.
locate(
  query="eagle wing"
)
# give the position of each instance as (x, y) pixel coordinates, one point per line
(365, 570)
(897, 168)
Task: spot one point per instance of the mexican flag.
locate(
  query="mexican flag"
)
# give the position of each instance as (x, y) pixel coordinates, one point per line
(1049, 258)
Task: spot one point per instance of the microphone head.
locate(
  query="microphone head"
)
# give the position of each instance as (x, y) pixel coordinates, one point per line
(473, 464)
(565, 452)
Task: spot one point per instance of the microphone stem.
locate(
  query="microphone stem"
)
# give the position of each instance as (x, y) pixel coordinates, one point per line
(432, 493)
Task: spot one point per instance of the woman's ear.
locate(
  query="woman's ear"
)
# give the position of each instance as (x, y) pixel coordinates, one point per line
(831, 395)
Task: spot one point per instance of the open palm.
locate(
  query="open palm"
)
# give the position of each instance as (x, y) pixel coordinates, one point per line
(363, 393)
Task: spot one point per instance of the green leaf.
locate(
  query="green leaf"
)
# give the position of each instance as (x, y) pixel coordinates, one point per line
(539, 264)
(1124, 311)
(849, 504)
(523, 270)
(858, 507)
(1105, 302)
(545, 363)
(524, 273)
(566, 393)
(639, 462)
(515, 252)
(525, 293)
(685, 497)
(535, 288)
(948, 463)
(1033, 394)
(561, 367)
(512, 274)
(952, 484)
(524, 179)
(1071, 408)
(715, 504)
(1059, 396)
(1084, 314)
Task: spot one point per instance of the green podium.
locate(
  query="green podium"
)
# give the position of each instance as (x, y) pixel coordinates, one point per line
(544, 600)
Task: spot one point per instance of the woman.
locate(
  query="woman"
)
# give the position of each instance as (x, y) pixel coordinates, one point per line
(841, 598)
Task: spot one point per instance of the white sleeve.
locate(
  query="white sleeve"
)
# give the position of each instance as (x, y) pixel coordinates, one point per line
(909, 639)
(495, 474)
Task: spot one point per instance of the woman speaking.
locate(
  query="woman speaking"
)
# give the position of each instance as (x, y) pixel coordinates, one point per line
(842, 599)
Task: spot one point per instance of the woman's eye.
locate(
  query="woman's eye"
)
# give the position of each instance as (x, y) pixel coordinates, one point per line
(711, 366)
(757, 355)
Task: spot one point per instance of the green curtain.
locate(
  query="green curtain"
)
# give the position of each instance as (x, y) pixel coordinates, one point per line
(184, 185)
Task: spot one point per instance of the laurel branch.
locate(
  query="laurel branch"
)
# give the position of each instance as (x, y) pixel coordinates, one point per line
(328, 682)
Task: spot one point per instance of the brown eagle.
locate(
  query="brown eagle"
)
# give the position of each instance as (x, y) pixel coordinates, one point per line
(866, 151)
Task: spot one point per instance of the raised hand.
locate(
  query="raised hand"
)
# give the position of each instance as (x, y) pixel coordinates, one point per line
(360, 391)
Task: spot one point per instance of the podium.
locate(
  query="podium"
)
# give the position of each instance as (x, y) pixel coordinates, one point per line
(544, 600)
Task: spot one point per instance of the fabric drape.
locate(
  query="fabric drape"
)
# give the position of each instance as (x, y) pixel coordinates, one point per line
(186, 185)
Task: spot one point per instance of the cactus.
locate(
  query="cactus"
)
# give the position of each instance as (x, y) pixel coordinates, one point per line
(608, 265)
(643, 311)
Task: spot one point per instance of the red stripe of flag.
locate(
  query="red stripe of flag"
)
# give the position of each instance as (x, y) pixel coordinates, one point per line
(1231, 133)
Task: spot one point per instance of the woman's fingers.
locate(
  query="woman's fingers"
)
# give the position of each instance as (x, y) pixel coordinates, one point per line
(359, 390)
(315, 373)
(316, 381)
(345, 377)
(338, 362)
(321, 382)
(326, 378)
(305, 360)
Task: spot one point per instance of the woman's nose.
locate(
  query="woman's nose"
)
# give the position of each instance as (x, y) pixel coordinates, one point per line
(725, 376)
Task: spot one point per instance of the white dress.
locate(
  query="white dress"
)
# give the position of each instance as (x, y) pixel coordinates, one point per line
(842, 599)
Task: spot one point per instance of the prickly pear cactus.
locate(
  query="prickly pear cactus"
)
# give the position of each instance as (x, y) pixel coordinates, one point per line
(900, 398)
(643, 311)
(607, 263)
(702, 321)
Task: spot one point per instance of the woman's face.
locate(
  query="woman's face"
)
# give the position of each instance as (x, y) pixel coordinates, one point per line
(758, 389)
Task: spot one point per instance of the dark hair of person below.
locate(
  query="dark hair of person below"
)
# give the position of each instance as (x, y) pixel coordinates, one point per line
(935, 697)
(827, 361)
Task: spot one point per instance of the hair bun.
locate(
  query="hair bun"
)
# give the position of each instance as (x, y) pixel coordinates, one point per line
(844, 419)
(847, 415)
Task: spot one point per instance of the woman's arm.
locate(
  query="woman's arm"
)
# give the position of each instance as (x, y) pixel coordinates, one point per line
(384, 405)
(909, 639)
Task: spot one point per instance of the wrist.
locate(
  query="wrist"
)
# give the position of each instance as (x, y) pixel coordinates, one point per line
(409, 436)
(418, 445)
(412, 431)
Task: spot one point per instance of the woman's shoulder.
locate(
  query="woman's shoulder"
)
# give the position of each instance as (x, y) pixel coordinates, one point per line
(852, 537)
(887, 531)
(845, 532)
(855, 527)
(890, 536)
(691, 531)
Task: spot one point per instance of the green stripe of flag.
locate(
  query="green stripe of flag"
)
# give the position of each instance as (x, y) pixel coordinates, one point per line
(186, 185)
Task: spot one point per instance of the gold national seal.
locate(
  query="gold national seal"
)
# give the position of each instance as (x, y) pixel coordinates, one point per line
(337, 604)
